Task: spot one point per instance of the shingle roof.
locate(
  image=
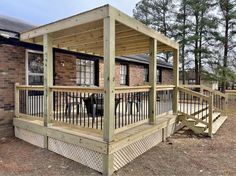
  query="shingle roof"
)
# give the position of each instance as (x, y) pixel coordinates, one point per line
(12, 24)
(143, 58)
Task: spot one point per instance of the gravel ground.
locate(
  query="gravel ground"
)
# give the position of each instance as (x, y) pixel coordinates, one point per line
(182, 154)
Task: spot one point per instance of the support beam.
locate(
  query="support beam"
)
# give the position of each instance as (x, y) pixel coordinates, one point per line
(152, 79)
(109, 86)
(176, 81)
(48, 80)
(109, 79)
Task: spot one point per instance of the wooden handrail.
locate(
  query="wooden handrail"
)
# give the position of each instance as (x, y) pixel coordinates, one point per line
(190, 86)
(233, 92)
(27, 87)
(205, 88)
(76, 89)
(164, 87)
(204, 97)
(129, 89)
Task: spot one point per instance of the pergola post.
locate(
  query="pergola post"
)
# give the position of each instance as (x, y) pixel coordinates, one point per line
(176, 81)
(152, 79)
(48, 81)
(109, 87)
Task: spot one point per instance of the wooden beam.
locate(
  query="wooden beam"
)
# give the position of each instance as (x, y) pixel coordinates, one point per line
(109, 78)
(82, 18)
(210, 123)
(109, 86)
(48, 78)
(69, 136)
(152, 80)
(86, 37)
(48, 81)
(140, 27)
(176, 81)
(98, 43)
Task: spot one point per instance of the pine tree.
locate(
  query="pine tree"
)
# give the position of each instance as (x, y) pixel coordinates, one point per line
(181, 27)
(228, 21)
(158, 15)
(201, 25)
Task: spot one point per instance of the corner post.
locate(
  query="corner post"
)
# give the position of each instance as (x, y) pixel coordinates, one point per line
(226, 104)
(17, 100)
(109, 87)
(152, 79)
(48, 81)
(176, 81)
(210, 115)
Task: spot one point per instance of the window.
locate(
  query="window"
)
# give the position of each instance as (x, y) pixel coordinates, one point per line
(123, 74)
(34, 68)
(159, 80)
(85, 72)
(146, 74)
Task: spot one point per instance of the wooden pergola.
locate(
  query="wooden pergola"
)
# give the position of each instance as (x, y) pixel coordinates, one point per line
(107, 32)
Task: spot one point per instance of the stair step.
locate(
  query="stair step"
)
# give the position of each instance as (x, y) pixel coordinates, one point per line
(215, 116)
(201, 125)
(217, 124)
(190, 120)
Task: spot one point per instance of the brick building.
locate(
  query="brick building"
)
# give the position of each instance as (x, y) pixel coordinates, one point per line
(22, 63)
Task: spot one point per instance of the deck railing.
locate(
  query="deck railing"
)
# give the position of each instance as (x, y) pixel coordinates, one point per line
(78, 106)
(197, 106)
(131, 105)
(220, 100)
(29, 101)
(84, 106)
(164, 97)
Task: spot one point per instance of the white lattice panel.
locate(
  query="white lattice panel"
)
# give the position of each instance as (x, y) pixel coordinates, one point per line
(79, 154)
(128, 153)
(30, 137)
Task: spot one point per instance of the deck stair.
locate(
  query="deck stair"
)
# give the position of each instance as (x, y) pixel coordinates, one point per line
(200, 127)
(202, 113)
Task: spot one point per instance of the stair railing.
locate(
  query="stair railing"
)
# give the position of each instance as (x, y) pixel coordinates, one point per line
(196, 106)
(220, 100)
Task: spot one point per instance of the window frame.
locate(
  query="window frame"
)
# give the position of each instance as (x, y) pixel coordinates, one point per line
(95, 72)
(126, 75)
(159, 79)
(27, 74)
(146, 76)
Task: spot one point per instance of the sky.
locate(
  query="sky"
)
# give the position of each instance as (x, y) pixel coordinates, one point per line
(39, 12)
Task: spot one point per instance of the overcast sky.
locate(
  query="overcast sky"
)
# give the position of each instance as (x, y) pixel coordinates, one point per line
(44, 11)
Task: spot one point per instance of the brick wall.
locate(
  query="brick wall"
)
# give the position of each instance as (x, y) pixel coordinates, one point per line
(12, 70)
(65, 69)
(167, 76)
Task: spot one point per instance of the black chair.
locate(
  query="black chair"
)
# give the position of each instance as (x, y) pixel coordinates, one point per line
(95, 105)
(69, 104)
(135, 98)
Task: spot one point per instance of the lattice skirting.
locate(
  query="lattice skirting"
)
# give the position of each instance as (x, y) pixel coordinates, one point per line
(79, 154)
(130, 152)
(30, 137)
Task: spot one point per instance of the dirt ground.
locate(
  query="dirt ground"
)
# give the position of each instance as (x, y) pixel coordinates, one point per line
(182, 154)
